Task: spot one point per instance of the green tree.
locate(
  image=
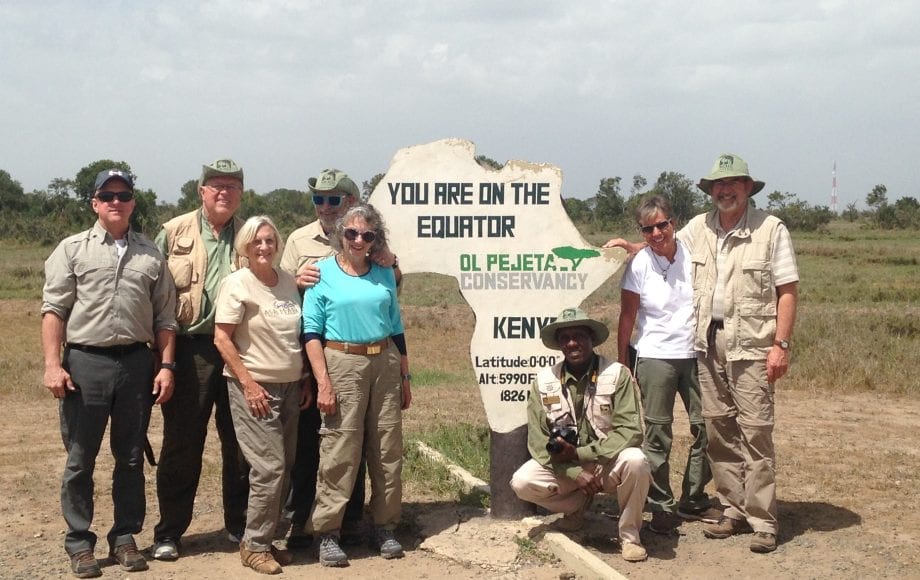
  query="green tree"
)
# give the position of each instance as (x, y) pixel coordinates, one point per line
(12, 197)
(85, 180)
(878, 197)
(609, 202)
(851, 214)
(188, 196)
(685, 198)
(798, 214)
(577, 209)
(368, 187)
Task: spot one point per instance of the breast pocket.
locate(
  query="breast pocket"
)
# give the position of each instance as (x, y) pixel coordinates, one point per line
(602, 407)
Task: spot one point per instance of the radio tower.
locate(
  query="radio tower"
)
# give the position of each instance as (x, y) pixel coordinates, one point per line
(834, 188)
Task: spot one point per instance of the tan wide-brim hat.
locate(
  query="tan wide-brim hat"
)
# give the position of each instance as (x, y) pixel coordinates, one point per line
(330, 180)
(573, 317)
(728, 165)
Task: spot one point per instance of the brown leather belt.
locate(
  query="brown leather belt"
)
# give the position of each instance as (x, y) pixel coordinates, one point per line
(352, 348)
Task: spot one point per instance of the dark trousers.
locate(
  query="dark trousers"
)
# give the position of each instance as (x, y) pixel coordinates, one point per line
(200, 386)
(116, 388)
(303, 476)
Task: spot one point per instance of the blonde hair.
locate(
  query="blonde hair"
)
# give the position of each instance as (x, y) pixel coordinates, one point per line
(248, 232)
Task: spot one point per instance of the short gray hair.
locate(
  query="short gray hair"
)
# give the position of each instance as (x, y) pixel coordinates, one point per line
(248, 232)
(652, 204)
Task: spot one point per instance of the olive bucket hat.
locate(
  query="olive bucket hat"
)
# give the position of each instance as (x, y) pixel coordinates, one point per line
(728, 165)
(221, 168)
(573, 317)
(333, 180)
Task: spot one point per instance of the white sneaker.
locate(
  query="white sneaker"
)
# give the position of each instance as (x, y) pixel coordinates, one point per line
(165, 550)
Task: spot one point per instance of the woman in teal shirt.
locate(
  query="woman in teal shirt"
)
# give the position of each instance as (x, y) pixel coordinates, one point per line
(353, 335)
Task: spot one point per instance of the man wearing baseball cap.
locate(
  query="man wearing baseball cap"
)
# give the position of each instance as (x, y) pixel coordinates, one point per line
(199, 249)
(746, 279)
(333, 193)
(584, 433)
(109, 294)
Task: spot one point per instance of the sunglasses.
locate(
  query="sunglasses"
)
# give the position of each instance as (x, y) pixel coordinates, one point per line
(662, 226)
(332, 200)
(351, 234)
(109, 196)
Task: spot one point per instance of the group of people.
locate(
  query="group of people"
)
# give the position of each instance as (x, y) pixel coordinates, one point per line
(715, 305)
(304, 365)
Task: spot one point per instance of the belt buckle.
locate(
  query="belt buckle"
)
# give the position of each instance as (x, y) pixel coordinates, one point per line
(373, 349)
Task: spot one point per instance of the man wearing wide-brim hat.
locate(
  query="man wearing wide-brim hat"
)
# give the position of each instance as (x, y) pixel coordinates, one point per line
(746, 279)
(584, 432)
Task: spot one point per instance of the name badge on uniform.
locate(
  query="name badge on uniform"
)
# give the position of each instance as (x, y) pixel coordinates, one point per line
(551, 400)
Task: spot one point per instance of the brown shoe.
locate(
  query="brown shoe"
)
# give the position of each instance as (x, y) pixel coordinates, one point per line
(84, 565)
(726, 528)
(633, 552)
(261, 562)
(709, 515)
(130, 559)
(763, 542)
(663, 523)
(283, 557)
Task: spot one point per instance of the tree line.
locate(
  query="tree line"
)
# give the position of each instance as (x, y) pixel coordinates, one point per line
(46, 216)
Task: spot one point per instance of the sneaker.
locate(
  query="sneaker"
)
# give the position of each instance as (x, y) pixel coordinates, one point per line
(166, 550)
(330, 554)
(663, 523)
(633, 552)
(84, 565)
(299, 539)
(709, 515)
(389, 547)
(725, 528)
(129, 558)
(763, 542)
(574, 521)
(261, 562)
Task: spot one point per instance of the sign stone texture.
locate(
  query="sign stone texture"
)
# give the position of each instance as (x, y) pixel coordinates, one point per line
(505, 236)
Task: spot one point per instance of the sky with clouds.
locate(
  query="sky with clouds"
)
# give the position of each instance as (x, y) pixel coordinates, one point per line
(600, 89)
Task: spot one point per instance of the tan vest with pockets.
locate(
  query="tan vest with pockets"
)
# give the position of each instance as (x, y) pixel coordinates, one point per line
(559, 406)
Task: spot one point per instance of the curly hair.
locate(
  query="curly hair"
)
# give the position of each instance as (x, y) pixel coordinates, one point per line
(374, 221)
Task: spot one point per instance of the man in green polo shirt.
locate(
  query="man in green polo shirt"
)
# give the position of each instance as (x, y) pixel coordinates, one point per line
(199, 251)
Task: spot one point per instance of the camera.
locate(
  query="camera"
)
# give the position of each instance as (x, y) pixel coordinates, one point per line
(568, 434)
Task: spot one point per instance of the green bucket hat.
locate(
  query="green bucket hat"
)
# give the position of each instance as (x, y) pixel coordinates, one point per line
(333, 180)
(728, 165)
(221, 168)
(573, 317)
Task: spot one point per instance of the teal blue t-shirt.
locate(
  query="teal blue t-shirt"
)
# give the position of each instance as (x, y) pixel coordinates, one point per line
(358, 309)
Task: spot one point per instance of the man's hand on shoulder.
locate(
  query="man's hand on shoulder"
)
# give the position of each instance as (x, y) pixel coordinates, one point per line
(307, 276)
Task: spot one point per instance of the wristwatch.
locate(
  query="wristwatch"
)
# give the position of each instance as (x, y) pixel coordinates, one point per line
(783, 344)
(168, 365)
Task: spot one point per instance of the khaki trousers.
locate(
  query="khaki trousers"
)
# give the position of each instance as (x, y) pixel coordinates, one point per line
(628, 475)
(369, 412)
(738, 409)
(269, 445)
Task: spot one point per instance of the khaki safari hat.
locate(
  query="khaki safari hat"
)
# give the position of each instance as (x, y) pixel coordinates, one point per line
(221, 168)
(728, 165)
(573, 317)
(330, 180)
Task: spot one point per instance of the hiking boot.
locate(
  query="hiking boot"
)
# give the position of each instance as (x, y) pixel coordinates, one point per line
(725, 528)
(330, 554)
(166, 550)
(386, 541)
(282, 556)
(261, 562)
(763, 542)
(709, 515)
(84, 565)
(633, 552)
(130, 559)
(574, 521)
(663, 523)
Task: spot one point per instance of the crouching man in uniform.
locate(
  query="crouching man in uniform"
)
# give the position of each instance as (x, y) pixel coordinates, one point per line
(591, 408)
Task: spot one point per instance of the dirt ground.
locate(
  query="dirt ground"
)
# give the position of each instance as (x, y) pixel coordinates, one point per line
(848, 481)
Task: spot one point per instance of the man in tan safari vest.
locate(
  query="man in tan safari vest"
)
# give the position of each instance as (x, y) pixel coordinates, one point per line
(199, 251)
(584, 433)
(745, 284)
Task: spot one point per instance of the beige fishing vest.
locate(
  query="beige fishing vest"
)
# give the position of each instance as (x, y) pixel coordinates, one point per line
(559, 406)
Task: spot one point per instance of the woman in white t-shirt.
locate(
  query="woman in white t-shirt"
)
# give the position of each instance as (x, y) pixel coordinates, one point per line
(257, 331)
(657, 292)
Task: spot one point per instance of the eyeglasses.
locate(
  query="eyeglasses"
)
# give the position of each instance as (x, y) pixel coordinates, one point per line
(351, 234)
(332, 200)
(109, 196)
(662, 226)
(229, 187)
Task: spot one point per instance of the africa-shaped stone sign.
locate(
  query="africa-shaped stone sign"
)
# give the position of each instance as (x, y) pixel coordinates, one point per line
(505, 236)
